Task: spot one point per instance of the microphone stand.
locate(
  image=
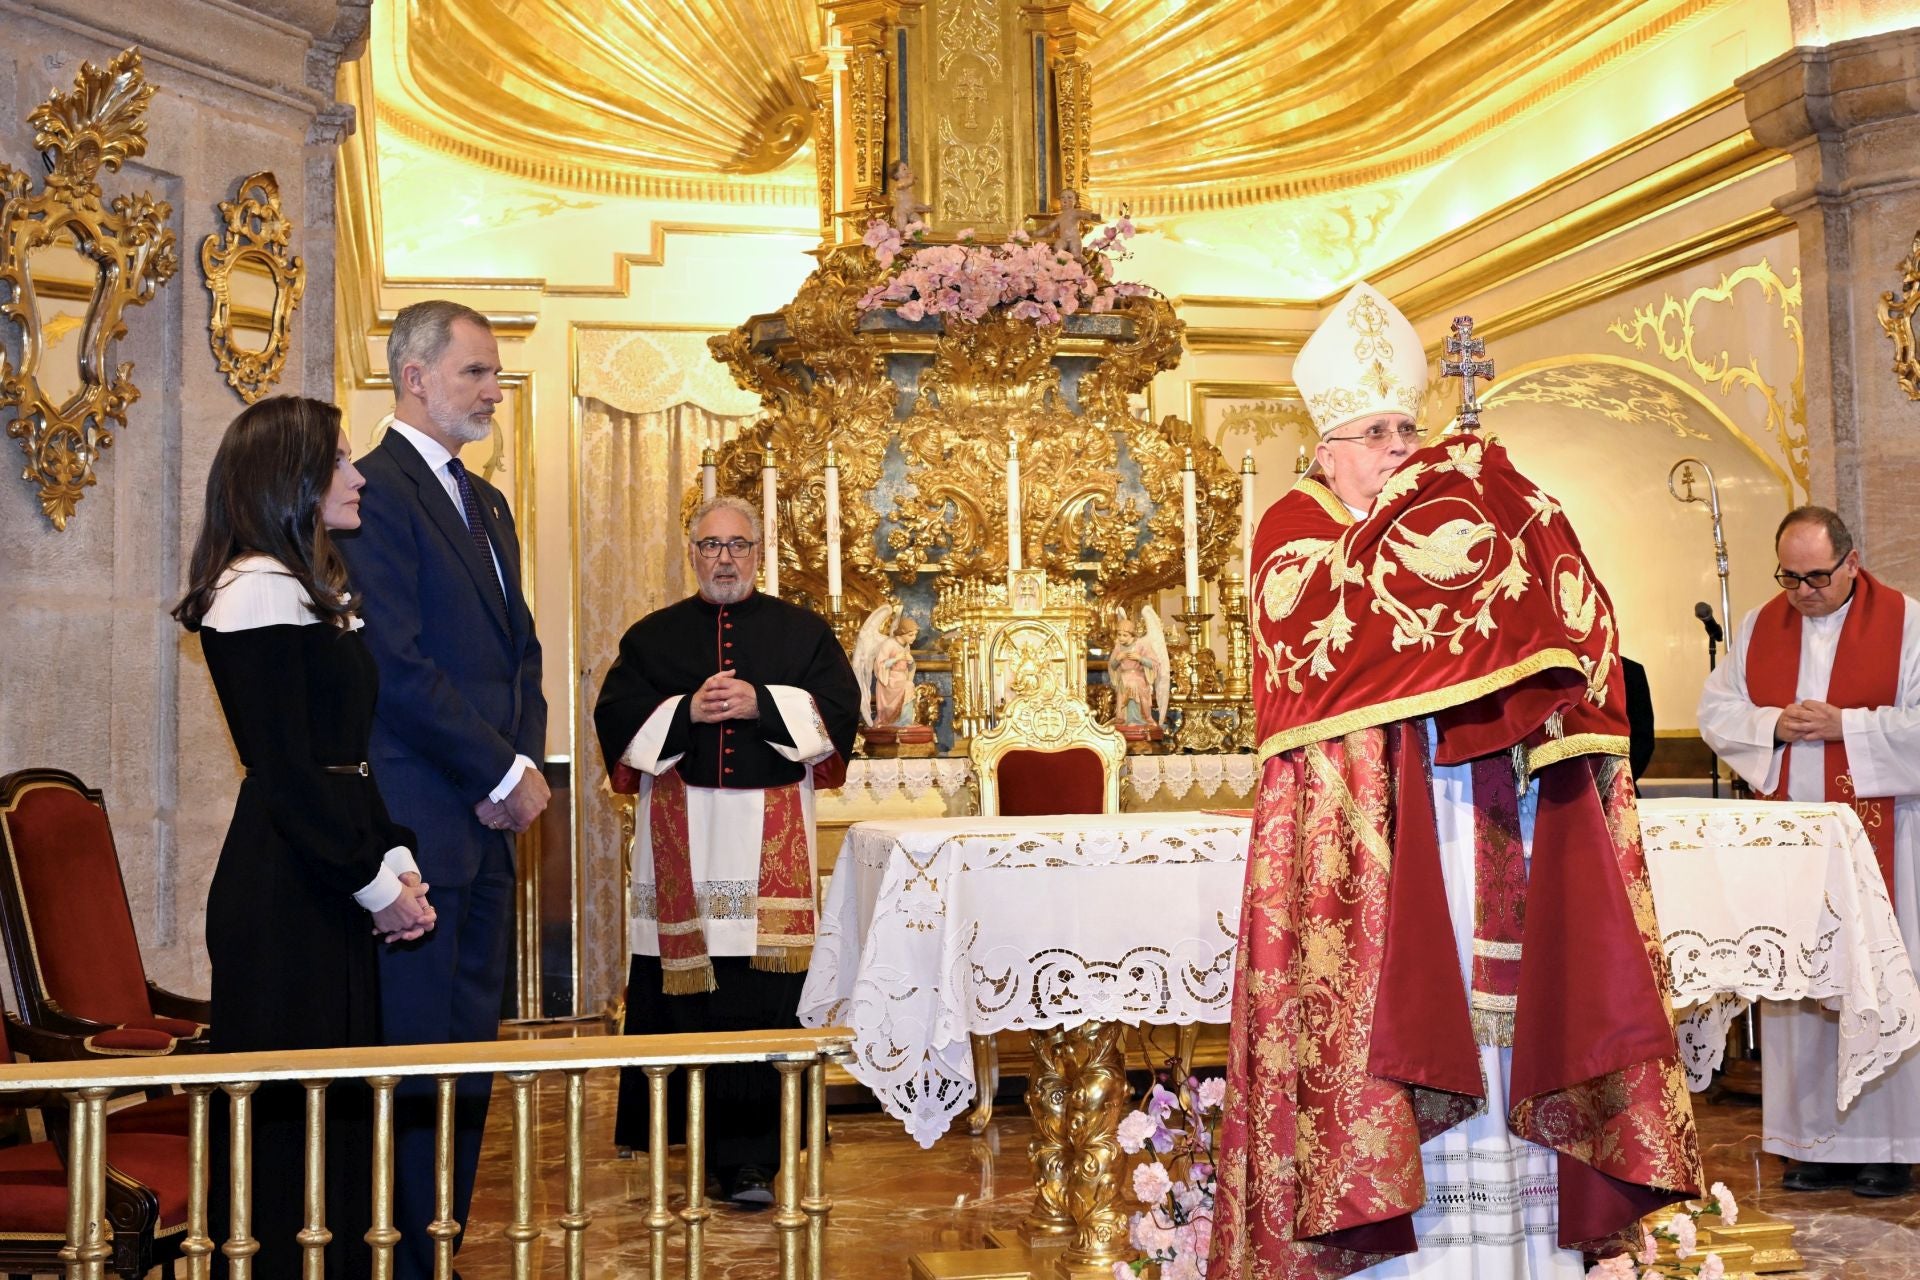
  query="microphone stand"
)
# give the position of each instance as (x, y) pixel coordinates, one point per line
(1742, 1073)
(1681, 474)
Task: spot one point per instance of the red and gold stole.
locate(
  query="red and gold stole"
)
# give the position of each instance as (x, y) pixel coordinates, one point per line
(1866, 673)
(783, 906)
(1463, 595)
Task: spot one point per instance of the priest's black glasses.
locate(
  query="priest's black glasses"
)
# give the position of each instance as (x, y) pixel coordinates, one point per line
(1817, 580)
(710, 548)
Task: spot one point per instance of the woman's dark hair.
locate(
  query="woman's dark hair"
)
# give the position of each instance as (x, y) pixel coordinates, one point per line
(264, 491)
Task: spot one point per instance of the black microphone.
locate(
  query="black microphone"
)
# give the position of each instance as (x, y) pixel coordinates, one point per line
(1704, 612)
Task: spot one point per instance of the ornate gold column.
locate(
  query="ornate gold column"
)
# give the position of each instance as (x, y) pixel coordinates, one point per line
(1077, 1095)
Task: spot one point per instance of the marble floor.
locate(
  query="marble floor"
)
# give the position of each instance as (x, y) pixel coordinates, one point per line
(891, 1200)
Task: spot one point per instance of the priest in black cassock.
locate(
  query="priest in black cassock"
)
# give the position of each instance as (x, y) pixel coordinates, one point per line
(723, 714)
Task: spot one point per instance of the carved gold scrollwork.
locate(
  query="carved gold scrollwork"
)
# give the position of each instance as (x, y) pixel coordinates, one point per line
(867, 80)
(1786, 406)
(72, 265)
(255, 283)
(1896, 317)
(1085, 514)
(1073, 108)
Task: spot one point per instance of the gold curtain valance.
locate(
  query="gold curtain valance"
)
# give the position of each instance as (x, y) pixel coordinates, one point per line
(648, 371)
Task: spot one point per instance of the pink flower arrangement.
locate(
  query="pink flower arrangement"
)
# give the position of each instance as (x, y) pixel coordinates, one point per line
(1682, 1231)
(1176, 1182)
(1031, 280)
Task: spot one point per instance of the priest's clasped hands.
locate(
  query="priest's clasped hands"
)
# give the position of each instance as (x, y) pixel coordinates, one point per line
(724, 698)
(1808, 721)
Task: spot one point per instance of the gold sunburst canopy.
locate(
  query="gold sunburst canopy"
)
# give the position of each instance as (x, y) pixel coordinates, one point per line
(1198, 105)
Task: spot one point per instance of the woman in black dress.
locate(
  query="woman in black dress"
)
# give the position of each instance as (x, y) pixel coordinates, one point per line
(313, 874)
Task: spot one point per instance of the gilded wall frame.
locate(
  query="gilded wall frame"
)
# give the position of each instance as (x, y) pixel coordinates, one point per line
(251, 252)
(1896, 317)
(72, 264)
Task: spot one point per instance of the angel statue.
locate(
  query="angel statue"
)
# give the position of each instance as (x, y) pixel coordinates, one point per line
(883, 664)
(895, 713)
(1140, 673)
(906, 205)
(1067, 225)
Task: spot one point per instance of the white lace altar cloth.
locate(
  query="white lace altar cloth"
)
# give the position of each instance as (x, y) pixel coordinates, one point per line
(1193, 777)
(1778, 901)
(1198, 779)
(874, 780)
(935, 929)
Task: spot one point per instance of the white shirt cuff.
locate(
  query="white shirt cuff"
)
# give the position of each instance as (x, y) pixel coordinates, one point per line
(381, 891)
(519, 766)
(399, 860)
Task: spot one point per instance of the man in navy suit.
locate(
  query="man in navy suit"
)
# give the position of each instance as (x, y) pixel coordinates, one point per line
(459, 725)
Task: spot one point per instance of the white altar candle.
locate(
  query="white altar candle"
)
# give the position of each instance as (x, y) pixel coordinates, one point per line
(708, 474)
(769, 516)
(1246, 520)
(1190, 527)
(833, 525)
(1013, 502)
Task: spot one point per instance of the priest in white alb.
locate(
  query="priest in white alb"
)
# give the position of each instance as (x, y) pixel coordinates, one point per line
(1819, 700)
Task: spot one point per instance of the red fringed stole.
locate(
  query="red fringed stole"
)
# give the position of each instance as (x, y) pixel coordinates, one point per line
(1866, 673)
(1352, 1038)
(783, 907)
(1499, 896)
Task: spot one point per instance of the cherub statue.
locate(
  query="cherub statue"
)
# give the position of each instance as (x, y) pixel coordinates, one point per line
(906, 206)
(1067, 225)
(1139, 670)
(884, 666)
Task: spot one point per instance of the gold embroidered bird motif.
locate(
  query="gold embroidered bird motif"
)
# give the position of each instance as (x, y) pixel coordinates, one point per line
(1577, 605)
(1446, 553)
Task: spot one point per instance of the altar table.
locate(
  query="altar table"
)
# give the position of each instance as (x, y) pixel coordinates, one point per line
(937, 929)
(1778, 901)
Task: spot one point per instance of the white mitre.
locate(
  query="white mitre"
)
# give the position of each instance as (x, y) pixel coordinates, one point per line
(1363, 360)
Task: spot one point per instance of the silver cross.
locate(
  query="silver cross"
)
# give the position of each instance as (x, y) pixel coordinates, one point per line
(1469, 363)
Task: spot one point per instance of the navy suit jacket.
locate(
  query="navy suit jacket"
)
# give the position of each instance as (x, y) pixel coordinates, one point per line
(459, 682)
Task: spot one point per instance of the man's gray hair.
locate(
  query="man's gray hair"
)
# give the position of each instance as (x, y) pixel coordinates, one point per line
(421, 333)
(726, 502)
(1825, 518)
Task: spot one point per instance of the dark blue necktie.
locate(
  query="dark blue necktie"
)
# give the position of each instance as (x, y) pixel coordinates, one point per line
(470, 501)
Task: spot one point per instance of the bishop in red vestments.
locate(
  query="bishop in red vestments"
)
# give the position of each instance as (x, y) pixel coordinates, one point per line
(1452, 1051)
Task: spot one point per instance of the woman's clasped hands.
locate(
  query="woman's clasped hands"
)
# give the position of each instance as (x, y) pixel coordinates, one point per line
(408, 916)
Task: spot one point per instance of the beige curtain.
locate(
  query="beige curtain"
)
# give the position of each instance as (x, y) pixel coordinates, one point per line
(634, 472)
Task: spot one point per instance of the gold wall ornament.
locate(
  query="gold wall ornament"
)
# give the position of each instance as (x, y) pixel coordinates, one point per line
(256, 284)
(1896, 317)
(72, 265)
(1674, 328)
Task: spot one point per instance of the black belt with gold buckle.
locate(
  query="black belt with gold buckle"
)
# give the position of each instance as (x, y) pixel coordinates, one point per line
(350, 770)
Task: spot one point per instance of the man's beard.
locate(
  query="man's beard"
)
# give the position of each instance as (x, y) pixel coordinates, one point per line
(467, 428)
(729, 592)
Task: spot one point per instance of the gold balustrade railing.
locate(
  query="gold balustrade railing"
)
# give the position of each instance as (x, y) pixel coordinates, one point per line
(799, 1218)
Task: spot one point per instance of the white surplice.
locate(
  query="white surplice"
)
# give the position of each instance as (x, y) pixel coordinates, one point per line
(1493, 1198)
(1799, 1041)
(723, 830)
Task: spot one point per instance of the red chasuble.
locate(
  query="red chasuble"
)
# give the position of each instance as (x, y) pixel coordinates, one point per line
(1866, 673)
(1463, 596)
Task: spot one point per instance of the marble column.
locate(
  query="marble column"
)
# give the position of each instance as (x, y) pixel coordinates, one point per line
(1849, 115)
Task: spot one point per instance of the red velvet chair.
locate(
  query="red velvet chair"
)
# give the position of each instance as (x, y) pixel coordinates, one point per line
(68, 930)
(146, 1182)
(1046, 755)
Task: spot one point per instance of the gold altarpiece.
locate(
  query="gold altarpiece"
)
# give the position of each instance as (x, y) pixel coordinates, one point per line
(988, 103)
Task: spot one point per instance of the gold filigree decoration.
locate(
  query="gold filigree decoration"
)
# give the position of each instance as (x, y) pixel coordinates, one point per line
(255, 243)
(1073, 105)
(1786, 406)
(1615, 394)
(822, 373)
(124, 252)
(971, 27)
(867, 100)
(1896, 317)
(1265, 420)
(972, 175)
